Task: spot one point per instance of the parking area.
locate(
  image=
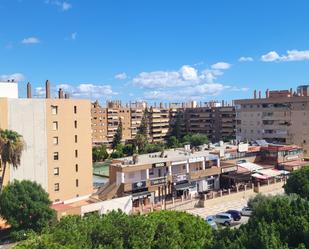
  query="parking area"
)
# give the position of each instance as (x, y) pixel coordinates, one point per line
(224, 206)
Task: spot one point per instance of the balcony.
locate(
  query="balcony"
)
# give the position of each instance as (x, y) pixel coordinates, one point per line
(207, 172)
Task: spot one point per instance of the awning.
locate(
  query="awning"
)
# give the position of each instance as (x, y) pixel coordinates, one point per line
(141, 195)
(258, 176)
(270, 172)
(250, 166)
(183, 186)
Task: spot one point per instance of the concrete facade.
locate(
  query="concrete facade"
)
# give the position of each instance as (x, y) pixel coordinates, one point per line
(28, 118)
(57, 134)
(280, 117)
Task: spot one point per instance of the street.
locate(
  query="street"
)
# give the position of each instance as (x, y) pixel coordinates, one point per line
(222, 207)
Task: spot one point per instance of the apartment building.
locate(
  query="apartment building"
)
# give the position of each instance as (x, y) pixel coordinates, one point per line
(279, 117)
(150, 178)
(217, 122)
(57, 134)
(159, 123)
(105, 120)
(214, 119)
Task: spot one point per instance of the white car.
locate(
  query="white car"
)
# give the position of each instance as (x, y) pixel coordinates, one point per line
(223, 219)
(246, 211)
(211, 222)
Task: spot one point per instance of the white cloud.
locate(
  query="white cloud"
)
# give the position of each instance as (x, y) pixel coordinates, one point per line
(221, 66)
(291, 55)
(245, 59)
(83, 91)
(185, 84)
(74, 36)
(185, 76)
(121, 76)
(188, 73)
(62, 5)
(9, 77)
(186, 93)
(66, 6)
(271, 56)
(30, 40)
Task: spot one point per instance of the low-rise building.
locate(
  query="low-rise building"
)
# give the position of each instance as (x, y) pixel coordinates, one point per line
(152, 177)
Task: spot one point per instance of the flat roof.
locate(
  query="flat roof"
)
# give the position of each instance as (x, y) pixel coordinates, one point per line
(172, 155)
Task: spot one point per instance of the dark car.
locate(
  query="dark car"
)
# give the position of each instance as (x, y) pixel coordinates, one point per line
(236, 215)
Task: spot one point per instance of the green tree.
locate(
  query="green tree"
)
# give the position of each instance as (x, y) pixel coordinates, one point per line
(11, 147)
(128, 149)
(298, 183)
(195, 139)
(173, 142)
(140, 142)
(25, 205)
(118, 135)
(99, 153)
(177, 126)
(144, 126)
(198, 139)
(116, 230)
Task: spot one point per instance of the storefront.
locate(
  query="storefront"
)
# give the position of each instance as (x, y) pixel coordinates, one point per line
(140, 194)
(181, 185)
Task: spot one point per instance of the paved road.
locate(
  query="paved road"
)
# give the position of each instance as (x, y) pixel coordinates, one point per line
(222, 207)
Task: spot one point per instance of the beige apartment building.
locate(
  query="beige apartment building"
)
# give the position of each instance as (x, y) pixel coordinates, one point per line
(57, 134)
(105, 120)
(217, 120)
(279, 117)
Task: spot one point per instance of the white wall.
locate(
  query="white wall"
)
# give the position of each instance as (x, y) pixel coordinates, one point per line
(131, 177)
(8, 90)
(103, 207)
(28, 118)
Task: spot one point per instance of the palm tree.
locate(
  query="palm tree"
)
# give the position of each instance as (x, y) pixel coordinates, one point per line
(11, 147)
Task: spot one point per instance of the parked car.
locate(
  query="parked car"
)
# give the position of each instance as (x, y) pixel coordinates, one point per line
(236, 215)
(223, 219)
(211, 222)
(246, 211)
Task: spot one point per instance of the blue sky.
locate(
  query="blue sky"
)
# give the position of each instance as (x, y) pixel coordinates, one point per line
(155, 50)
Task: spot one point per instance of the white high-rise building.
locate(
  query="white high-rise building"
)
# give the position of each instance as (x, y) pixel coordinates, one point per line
(9, 90)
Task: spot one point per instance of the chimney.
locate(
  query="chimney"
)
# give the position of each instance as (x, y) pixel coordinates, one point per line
(60, 93)
(47, 89)
(260, 94)
(66, 96)
(291, 92)
(161, 105)
(254, 94)
(222, 103)
(29, 91)
(267, 93)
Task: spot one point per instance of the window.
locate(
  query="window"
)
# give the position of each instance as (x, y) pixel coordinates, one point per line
(54, 109)
(55, 126)
(75, 109)
(56, 171)
(75, 123)
(55, 140)
(76, 153)
(76, 167)
(76, 182)
(56, 155)
(75, 138)
(56, 187)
